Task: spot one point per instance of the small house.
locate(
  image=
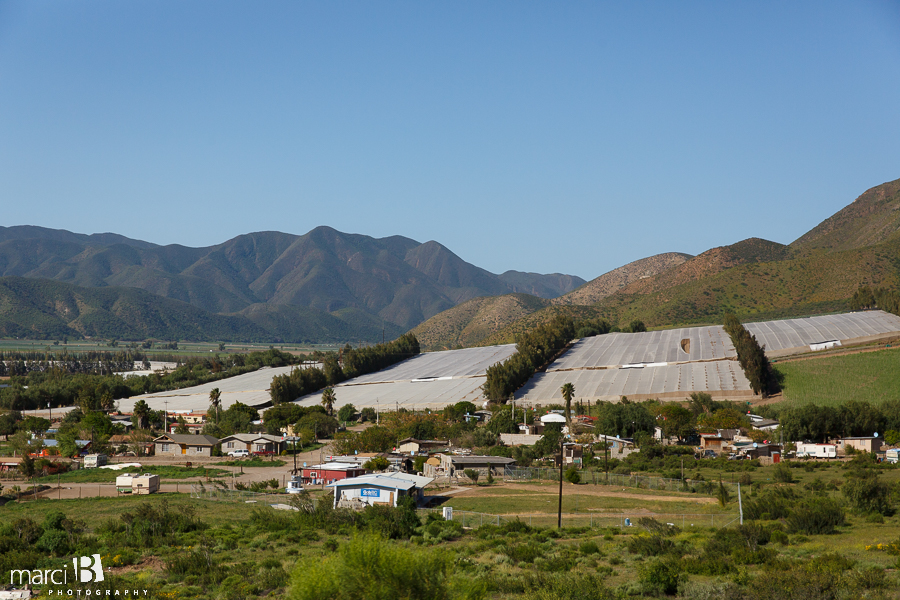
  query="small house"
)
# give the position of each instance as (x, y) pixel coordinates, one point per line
(862, 444)
(451, 463)
(254, 443)
(715, 443)
(414, 446)
(184, 444)
(330, 472)
(372, 490)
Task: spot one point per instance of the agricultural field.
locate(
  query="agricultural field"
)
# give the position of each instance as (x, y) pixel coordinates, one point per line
(184, 348)
(873, 377)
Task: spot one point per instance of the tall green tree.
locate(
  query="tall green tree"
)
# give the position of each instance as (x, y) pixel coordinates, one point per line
(328, 400)
(140, 415)
(215, 399)
(568, 392)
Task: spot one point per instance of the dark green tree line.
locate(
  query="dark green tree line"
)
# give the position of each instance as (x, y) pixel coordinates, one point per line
(752, 357)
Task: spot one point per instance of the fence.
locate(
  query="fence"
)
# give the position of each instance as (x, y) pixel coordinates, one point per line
(628, 481)
(476, 519)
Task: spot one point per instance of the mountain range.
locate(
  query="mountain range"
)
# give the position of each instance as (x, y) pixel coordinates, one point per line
(324, 286)
(756, 279)
(328, 286)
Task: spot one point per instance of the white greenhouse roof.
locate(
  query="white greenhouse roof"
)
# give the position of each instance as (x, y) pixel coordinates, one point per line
(411, 395)
(251, 389)
(611, 384)
(799, 334)
(616, 349)
(468, 362)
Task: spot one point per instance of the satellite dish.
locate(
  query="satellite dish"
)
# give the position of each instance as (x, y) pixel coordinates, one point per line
(755, 445)
(876, 434)
(304, 464)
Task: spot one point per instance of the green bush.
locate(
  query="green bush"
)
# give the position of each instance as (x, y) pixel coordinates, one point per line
(782, 473)
(369, 569)
(815, 516)
(661, 576)
(572, 475)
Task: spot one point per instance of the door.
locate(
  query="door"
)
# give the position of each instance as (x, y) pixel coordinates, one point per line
(184, 449)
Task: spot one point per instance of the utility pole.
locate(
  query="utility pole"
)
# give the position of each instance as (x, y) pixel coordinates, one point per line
(606, 455)
(166, 417)
(561, 460)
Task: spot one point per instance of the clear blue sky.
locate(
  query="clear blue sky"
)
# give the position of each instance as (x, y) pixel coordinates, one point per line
(552, 137)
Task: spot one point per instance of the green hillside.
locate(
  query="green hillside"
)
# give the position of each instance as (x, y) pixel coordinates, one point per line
(471, 322)
(43, 309)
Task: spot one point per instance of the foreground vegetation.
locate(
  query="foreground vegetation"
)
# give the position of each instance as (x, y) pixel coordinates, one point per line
(796, 543)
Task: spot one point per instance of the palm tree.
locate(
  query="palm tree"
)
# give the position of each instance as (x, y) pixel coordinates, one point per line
(568, 391)
(328, 399)
(141, 415)
(214, 399)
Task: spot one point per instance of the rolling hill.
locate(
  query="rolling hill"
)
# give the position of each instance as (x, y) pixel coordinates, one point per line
(44, 309)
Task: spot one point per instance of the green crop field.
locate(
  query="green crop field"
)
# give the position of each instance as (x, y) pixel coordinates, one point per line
(873, 377)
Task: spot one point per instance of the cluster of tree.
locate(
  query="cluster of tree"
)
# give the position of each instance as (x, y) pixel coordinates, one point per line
(592, 328)
(93, 362)
(299, 382)
(853, 418)
(313, 418)
(237, 418)
(752, 357)
(359, 361)
(866, 298)
(534, 350)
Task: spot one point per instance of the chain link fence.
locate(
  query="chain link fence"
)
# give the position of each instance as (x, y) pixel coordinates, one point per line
(200, 491)
(643, 482)
(593, 521)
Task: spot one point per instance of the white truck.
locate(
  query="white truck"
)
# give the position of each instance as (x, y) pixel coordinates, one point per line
(816, 450)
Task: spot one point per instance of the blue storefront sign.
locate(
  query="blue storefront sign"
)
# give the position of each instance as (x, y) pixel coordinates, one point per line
(369, 493)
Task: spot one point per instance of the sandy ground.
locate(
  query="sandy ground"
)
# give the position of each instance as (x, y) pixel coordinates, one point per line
(245, 475)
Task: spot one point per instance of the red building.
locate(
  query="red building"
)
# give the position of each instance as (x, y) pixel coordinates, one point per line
(330, 472)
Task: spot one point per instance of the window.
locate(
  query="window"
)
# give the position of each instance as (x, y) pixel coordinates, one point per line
(230, 445)
(165, 448)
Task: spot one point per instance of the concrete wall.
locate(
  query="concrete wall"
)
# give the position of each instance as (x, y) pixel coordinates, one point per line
(519, 439)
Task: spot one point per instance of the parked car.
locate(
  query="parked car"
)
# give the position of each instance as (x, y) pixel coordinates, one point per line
(264, 453)
(239, 453)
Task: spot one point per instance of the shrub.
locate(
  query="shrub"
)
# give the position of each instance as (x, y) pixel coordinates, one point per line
(572, 475)
(782, 473)
(866, 493)
(815, 516)
(589, 547)
(661, 576)
(366, 567)
(472, 474)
